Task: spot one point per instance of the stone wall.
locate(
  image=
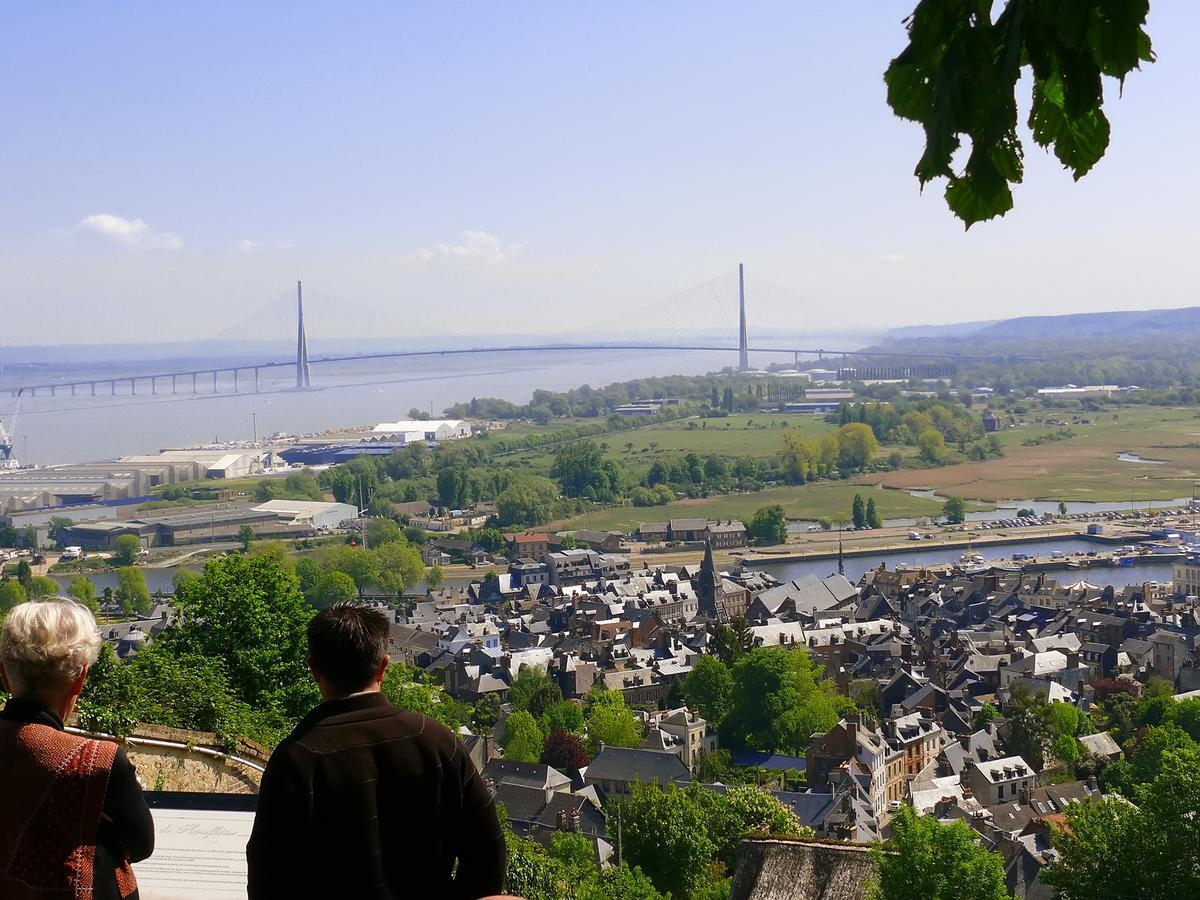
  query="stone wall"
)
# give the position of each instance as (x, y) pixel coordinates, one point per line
(781, 869)
(183, 769)
(171, 759)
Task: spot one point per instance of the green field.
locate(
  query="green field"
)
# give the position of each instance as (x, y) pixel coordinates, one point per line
(1082, 467)
(731, 437)
(811, 501)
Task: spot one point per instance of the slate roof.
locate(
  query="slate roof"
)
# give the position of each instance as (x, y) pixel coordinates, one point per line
(635, 764)
(1100, 744)
(774, 761)
(535, 775)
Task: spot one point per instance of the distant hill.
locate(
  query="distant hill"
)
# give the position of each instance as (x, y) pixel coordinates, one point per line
(1139, 330)
(909, 332)
(1173, 323)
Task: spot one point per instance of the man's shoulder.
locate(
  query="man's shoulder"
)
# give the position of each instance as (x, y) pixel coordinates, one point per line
(331, 728)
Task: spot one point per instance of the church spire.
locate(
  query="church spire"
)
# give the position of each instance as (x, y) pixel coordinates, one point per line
(708, 584)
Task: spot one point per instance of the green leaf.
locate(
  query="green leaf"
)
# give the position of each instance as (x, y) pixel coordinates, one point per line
(909, 90)
(980, 193)
(1115, 35)
(1078, 143)
(1082, 91)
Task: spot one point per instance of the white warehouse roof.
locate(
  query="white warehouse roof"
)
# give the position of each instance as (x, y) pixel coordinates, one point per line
(309, 509)
(422, 426)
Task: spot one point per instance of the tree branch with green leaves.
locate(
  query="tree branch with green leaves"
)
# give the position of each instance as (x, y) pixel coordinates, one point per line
(958, 76)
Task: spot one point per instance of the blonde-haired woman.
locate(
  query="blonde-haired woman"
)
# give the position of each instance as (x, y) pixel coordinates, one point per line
(73, 816)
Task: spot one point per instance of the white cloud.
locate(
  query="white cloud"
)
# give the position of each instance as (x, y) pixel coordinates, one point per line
(471, 245)
(129, 232)
(894, 258)
(247, 246)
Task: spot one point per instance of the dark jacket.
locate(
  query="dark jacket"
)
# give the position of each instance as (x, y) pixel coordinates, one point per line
(365, 800)
(126, 830)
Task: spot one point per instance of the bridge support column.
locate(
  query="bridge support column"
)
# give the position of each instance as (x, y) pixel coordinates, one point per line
(93, 389)
(214, 381)
(53, 390)
(194, 383)
(153, 384)
(235, 381)
(72, 390)
(256, 379)
(133, 386)
(113, 384)
(173, 390)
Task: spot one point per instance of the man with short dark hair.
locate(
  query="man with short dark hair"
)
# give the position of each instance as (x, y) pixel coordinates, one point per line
(365, 800)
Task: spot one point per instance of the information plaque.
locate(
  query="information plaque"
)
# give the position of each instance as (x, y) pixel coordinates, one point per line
(199, 847)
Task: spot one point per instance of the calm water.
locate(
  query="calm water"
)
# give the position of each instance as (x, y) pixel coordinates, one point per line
(83, 428)
(856, 566)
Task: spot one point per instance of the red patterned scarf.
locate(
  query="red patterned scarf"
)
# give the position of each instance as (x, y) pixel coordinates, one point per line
(53, 794)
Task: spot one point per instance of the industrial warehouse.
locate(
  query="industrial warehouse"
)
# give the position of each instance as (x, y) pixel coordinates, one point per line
(223, 522)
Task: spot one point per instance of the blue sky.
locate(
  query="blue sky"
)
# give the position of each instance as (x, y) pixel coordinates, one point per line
(473, 168)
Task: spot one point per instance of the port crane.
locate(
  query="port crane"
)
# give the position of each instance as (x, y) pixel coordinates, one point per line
(8, 435)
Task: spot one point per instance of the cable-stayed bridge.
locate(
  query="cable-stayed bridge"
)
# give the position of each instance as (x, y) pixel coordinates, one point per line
(248, 377)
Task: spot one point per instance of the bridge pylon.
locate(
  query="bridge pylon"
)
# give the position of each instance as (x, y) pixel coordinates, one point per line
(303, 375)
(743, 348)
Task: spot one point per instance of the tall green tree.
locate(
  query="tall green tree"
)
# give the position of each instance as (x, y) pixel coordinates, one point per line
(610, 722)
(528, 500)
(334, 587)
(523, 739)
(188, 691)
(931, 446)
(955, 510)
(361, 564)
(732, 641)
(11, 594)
(858, 512)
(1028, 716)
(83, 590)
(582, 470)
(276, 550)
(250, 615)
(125, 550)
(708, 689)
(565, 715)
(1113, 848)
(926, 860)
(872, 515)
(769, 525)
(23, 573)
(664, 833)
(309, 574)
(41, 587)
(399, 565)
(738, 811)
(132, 592)
(856, 445)
(108, 703)
(779, 701)
(533, 690)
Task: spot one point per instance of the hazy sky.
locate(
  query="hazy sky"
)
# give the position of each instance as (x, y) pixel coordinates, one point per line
(463, 168)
